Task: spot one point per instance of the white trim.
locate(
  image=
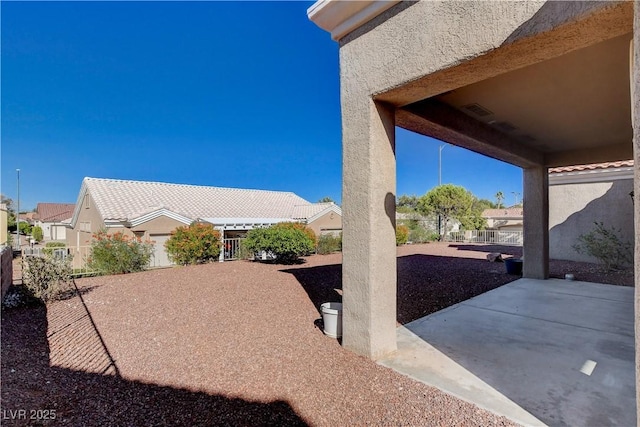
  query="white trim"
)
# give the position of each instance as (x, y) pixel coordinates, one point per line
(243, 223)
(340, 17)
(156, 214)
(596, 175)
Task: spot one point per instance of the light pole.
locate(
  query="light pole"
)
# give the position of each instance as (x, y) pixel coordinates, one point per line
(440, 148)
(18, 211)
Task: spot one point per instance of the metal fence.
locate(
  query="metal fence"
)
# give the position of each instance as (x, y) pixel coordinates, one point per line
(79, 256)
(232, 248)
(493, 237)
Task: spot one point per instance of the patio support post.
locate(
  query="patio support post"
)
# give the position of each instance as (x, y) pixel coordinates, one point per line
(368, 222)
(635, 120)
(536, 223)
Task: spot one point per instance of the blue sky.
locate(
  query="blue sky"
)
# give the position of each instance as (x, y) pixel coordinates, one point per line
(230, 94)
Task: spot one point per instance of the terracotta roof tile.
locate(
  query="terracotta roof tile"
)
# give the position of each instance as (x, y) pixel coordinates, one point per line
(503, 213)
(54, 212)
(593, 166)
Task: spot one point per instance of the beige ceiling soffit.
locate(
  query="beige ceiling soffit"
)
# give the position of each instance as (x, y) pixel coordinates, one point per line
(341, 17)
(438, 120)
(608, 153)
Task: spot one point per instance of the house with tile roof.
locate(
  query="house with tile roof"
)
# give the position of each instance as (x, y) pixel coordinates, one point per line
(583, 194)
(506, 219)
(152, 210)
(54, 218)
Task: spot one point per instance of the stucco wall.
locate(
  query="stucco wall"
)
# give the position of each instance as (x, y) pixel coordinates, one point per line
(573, 209)
(77, 236)
(160, 225)
(330, 221)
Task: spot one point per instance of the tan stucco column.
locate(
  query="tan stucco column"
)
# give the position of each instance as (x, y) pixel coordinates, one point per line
(536, 223)
(635, 119)
(368, 251)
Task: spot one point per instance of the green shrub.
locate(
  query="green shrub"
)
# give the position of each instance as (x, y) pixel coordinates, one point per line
(402, 235)
(422, 235)
(605, 245)
(36, 233)
(196, 244)
(286, 241)
(328, 243)
(47, 278)
(118, 253)
(50, 247)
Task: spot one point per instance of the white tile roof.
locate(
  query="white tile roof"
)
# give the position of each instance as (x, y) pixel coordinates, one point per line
(126, 200)
(308, 210)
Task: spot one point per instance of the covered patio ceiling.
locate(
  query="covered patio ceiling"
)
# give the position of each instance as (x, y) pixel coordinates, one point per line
(547, 112)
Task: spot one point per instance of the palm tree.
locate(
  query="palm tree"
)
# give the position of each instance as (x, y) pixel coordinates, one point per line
(499, 198)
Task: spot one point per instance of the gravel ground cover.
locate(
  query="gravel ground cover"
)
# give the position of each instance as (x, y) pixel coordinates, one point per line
(234, 344)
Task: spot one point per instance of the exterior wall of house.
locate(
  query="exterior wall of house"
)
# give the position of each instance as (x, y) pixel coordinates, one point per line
(573, 209)
(89, 221)
(160, 225)
(330, 222)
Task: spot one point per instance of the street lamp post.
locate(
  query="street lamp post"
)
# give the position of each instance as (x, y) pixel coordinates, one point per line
(18, 211)
(440, 148)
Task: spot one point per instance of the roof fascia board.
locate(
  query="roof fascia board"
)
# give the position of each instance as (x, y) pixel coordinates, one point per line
(340, 17)
(158, 213)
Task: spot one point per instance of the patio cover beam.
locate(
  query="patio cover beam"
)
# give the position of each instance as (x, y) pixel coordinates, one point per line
(438, 120)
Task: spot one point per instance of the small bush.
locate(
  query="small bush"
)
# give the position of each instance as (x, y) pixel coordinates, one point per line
(36, 233)
(328, 243)
(605, 245)
(47, 278)
(196, 244)
(118, 253)
(402, 235)
(286, 241)
(422, 235)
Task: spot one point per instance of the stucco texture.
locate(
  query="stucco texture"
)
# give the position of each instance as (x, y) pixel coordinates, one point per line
(574, 208)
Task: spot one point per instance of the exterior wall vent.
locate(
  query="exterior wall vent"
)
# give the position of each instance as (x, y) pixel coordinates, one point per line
(477, 109)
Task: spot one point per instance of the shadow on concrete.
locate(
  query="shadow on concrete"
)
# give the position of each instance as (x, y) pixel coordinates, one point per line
(532, 342)
(426, 283)
(46, 374)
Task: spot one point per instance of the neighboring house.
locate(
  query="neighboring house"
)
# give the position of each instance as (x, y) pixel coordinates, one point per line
(152, 210)
(28, 217)
(584, 194)
(506, 219)
(54, 219)
(4, 219)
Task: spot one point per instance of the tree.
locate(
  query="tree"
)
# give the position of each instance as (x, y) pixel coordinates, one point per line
(326, 199)
(407, 204)
(449, 201)
(36, 233)
(499, 199)
(474, 219)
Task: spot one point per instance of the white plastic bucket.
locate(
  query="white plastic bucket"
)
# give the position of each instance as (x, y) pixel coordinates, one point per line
(332, 319)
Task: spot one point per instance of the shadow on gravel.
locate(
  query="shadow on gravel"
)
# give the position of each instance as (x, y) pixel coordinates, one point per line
(33, 390)
(426, 283)
(504, 250)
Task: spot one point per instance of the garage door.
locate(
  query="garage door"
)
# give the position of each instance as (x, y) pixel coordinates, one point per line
(159, 258)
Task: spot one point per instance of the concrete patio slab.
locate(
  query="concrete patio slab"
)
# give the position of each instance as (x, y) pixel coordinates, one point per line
(539, 352)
